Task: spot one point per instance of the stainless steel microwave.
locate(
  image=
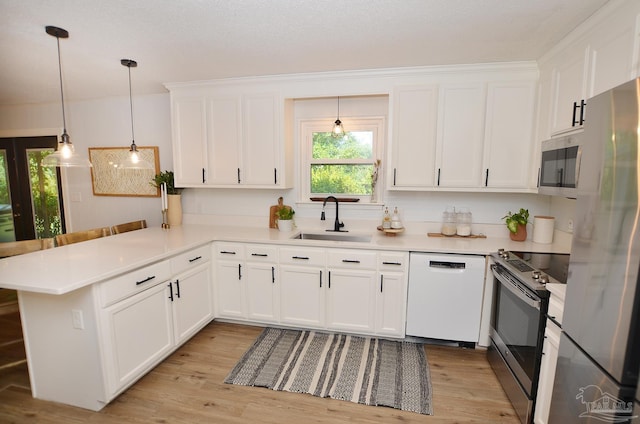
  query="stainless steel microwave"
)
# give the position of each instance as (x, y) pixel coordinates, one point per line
(560, 166)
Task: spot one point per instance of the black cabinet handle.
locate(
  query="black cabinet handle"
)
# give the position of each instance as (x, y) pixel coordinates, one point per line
(304, 258)
(170, 291)
(238, 175)
(582, 107)
(227, 252)
(273, 275)
(262, 255)
(178, 288)
(438, 176)
(145, 280)
(195, 259)
(391, 263)
(275, 175)
(539, 170)
(203, 179)
(239, 271)
(381, 280)
(486, 178)
(320, 278)
(394, 176)
(574, 122)
(351, 261)
(329, 279)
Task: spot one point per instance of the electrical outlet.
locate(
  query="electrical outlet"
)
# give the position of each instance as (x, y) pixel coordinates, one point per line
(570, 225)
(78, 319)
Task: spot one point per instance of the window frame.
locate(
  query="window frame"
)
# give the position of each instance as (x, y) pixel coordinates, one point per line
(375, 124)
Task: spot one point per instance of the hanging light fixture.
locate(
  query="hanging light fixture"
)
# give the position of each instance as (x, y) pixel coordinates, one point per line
(134, 159)
(65, 155)
(338, 129)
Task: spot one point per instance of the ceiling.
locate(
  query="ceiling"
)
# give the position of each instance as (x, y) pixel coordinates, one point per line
(188, 40)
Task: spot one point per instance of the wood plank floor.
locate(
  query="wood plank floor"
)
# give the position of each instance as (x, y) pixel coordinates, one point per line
(188, 388)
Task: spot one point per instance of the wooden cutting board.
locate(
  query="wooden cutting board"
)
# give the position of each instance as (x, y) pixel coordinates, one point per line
(273, 218)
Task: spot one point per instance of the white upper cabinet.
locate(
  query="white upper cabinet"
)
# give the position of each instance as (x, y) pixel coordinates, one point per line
(599, 55)
(460, 135)
(472, 135)
(508, 135)
(415, 113)
(225, 133)
(189, 130)
(231, 138)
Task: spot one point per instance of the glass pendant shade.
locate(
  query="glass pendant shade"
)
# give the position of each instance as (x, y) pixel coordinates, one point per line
(134, 159)
(65, 155)
(338, 128)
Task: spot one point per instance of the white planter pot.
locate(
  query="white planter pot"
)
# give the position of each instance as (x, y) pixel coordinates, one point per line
(285, 224)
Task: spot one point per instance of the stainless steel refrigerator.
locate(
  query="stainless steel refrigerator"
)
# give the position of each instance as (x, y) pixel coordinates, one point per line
(599, 355)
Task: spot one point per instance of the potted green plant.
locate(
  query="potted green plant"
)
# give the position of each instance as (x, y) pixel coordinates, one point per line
(285, 218)
(173, 202)
(517, 224)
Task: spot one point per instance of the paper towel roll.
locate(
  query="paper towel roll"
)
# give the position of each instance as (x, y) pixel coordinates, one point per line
(543, 229)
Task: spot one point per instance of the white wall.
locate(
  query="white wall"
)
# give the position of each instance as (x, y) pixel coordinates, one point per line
(106, 122)
(100, 123)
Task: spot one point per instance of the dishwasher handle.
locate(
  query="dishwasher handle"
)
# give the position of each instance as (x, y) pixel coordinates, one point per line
(447, 265)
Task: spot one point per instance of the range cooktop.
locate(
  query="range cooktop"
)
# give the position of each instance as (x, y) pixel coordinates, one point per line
(535, 269)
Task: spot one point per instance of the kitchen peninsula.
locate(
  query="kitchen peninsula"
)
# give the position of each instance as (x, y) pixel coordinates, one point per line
(100, 314)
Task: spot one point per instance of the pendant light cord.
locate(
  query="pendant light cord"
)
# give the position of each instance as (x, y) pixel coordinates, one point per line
(133, 140)
(64, 120)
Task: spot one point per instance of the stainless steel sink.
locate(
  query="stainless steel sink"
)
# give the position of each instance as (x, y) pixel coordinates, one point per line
(334, 237)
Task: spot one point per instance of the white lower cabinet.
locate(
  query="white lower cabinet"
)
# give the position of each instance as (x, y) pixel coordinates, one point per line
(142, 329)
(391, 294)
(230, 288)
(87, 346)
(302, 274)
(140, 334)
(351, 300)
(547, 372)
(262, 287)
(191, 301)
(350, 290)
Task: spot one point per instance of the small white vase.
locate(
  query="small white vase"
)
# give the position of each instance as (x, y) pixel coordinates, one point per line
(285, 224)
(174, 212)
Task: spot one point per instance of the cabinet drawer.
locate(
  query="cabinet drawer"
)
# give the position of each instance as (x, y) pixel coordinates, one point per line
(306, 256)
(556, 308)
(190, 259)
(232, 251)
(261, 253)
(134, 282)
(352, 259)
(393, 261)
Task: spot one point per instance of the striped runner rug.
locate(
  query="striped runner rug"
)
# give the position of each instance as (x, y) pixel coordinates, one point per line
(358, 369)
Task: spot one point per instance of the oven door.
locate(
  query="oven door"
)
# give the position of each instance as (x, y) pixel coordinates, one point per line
(517, 328)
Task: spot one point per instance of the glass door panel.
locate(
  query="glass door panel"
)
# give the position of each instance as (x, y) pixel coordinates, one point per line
(45, 202)
(7, 232)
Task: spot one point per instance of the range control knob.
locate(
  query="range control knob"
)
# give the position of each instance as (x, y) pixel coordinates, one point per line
(535, 275)
(543, 279)
(500, 252)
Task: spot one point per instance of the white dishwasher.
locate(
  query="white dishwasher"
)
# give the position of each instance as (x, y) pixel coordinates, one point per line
(445, 296)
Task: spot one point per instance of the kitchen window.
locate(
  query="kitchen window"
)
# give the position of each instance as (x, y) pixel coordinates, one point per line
(341, 166)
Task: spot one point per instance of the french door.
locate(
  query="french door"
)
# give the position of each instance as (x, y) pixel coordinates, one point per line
(30, 195)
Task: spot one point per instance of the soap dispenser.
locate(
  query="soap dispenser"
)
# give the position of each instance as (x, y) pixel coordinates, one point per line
(395, 219)
(386, 219)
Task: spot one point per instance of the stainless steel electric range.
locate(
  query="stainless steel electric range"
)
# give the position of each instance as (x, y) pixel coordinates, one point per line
(519, 319)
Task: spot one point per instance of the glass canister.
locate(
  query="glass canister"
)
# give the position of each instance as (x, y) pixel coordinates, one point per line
(463, 222)
(449, 222)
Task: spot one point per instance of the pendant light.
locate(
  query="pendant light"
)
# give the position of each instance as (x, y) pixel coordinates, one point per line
(134, 159)
(65, 155)
(338, 129)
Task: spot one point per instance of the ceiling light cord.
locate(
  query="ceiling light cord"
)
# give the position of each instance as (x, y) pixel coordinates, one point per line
(133, 139)
(64, 118)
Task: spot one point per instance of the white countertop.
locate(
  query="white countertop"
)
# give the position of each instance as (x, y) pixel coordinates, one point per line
(63, 269)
